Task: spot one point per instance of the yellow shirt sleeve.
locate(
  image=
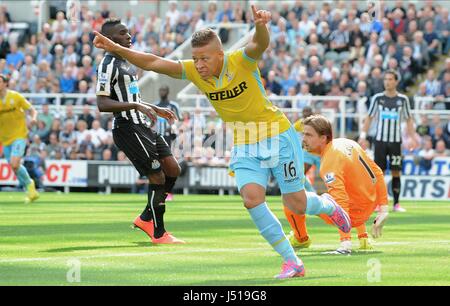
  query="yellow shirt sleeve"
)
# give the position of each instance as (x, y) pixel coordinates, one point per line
(188, 70)
(24, 103)
(298, 125)
(244, 60)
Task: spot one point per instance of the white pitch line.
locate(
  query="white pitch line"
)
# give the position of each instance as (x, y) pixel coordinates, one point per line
(151, 253)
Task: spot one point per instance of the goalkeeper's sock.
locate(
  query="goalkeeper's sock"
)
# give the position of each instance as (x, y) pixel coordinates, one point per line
(396, 188)
(23, 177)
(362, 231)
(270, 228)
(298, 224)
(317, 205)
(345, 236)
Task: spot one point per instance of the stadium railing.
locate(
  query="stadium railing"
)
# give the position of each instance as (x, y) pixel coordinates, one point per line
(192, 102)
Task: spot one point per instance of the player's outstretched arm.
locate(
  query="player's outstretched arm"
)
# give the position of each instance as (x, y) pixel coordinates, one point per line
(34, 115)
(146, 61)
(106, 104)
(261, 39)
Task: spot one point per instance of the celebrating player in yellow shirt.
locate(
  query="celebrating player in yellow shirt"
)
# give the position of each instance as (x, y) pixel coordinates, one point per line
(264, 140)
(14, 132)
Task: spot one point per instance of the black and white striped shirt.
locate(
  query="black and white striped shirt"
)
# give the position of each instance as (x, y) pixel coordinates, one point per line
(390, 111)
(116, 78)
(162, 126)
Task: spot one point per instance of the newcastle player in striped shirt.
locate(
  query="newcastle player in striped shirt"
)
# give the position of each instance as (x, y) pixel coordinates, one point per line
(390, 108)
(163, 126)
(118, 93)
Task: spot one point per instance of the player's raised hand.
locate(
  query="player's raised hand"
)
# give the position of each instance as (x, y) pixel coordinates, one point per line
(103, 42)
(261, 17)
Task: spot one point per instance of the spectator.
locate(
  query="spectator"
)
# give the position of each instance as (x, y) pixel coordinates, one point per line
(420, 52)
(272, 84)
(439, 135)
(406, 68)
(86, 116)
(375, 82)
(423, 129)
(172, 14)
(398, 24)
(442, 26)
(432, 85)
(56, 127)
(426, 154)
(340, 38)
(286, 81)
(86, 148)
(317, 86)
(432, 39)
(15, 57)
(82, 131)
(40, 130)
(441, 150)
(314, 66)
(37, 145)
(53, 146)
(98, 134)
(68, 134)
(67, 81)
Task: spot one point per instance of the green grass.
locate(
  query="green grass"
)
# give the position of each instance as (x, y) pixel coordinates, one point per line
(39, 242)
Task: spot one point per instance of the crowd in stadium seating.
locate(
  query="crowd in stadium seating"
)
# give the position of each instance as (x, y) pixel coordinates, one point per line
(328, 49)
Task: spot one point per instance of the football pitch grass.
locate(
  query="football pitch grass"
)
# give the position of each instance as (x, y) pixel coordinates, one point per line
(87, 238)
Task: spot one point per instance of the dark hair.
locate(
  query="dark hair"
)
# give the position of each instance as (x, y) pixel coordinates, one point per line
(109, 24)
(203, 37)
(392, 72)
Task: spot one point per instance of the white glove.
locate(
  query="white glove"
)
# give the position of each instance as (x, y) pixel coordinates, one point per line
(379, 221)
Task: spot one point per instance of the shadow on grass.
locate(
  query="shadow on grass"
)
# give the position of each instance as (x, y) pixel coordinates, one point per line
(321, 253)
(261, 281)
(141, 244)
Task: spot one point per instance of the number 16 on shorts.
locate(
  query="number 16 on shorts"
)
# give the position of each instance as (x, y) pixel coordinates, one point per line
(290, 172)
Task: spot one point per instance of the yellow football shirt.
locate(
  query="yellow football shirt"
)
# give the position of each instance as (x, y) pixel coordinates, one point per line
(13, 124)
(239, 97)
(299, 126)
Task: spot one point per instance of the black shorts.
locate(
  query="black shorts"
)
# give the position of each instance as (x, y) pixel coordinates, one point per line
(388, 151)
(143, 147)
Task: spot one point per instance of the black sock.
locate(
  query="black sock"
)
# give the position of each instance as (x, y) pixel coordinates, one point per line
(147, 214)
(157, 207)
(396, 187)
(168, 186)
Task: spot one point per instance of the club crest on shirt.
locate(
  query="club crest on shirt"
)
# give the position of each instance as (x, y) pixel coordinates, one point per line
(229, 76)
(103, 78)
(399, 103)
(329, 178)
(155, 164)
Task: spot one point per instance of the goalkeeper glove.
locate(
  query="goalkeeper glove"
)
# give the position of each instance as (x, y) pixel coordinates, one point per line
(379, 221)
